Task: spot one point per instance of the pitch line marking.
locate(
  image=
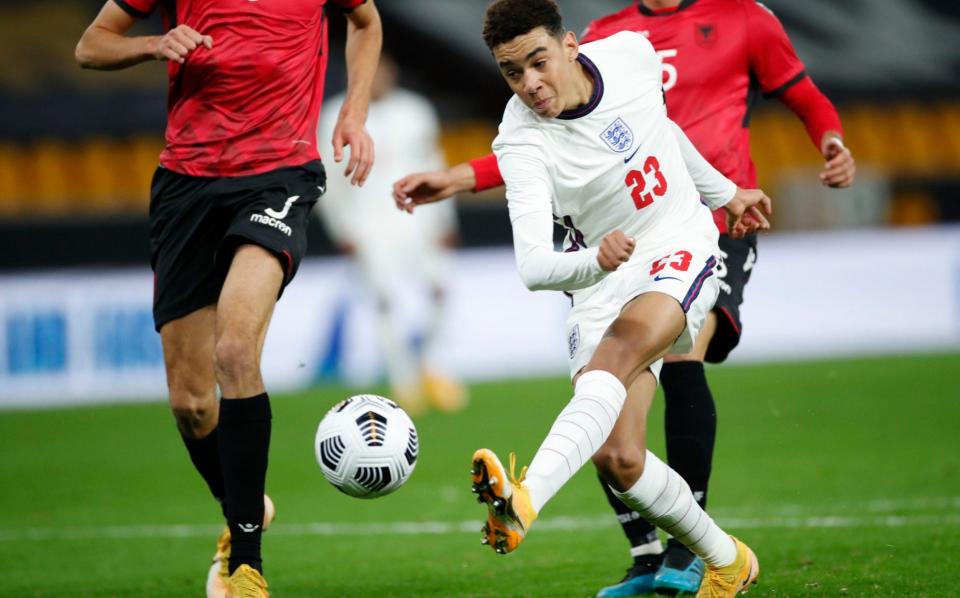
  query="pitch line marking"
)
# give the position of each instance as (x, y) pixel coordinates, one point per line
(403, 528)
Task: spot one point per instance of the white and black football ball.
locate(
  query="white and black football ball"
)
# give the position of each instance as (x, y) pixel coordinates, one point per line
(367, 446)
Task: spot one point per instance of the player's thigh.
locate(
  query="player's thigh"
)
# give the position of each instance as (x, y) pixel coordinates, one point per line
(185, 230)
(188, 344)
(262, 249)
(733, 271)
(249, 295)
(643, 332)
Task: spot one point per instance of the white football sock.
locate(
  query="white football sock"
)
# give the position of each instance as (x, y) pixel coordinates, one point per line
(655, 547)
(402, 370)
(579, 431)
(665, 500)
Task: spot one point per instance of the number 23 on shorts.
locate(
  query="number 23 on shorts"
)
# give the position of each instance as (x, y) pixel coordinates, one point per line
(680, 262)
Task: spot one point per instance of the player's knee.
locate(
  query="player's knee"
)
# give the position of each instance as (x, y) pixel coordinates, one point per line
(195, 416)
(235, 357)
(619, 464)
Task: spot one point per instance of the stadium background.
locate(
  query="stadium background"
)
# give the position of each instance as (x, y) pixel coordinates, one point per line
(852, 315)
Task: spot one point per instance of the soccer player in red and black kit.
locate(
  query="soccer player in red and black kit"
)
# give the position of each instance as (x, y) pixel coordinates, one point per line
(718, 57)
(228, 215)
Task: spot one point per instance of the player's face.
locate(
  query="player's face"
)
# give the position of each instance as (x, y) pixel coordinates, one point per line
(539, 68)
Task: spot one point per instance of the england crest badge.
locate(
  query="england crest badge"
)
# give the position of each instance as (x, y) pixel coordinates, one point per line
(573, 341)
(618, 136)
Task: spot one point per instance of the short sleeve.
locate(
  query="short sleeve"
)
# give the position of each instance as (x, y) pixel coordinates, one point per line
(140, 9)
(773, 60)
(347, 5)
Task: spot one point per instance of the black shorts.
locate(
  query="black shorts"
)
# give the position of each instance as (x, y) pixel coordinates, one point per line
(737, 258)
(196, 224)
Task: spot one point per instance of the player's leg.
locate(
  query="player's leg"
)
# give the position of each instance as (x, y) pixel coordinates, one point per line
(690, 422)
(243, 313)
(644, 330)
(645, 547)
(443, 391)
(183, 239)
(188, 357)
(259, 254)
(662, 497)
(377, 258)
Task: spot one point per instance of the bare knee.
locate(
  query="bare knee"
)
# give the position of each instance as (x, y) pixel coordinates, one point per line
(196, 418)
(620, 465)
(193, 401)
(236, 361)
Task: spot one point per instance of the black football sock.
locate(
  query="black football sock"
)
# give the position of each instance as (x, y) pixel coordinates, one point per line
(205, 454)
(690, 419)
(244, 438)
(637, 529)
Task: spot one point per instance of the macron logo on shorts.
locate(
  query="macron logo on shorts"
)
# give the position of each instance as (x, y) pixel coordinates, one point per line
(273, 218)
(286, 209)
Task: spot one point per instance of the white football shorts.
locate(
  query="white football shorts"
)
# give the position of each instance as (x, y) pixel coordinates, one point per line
(687, 272)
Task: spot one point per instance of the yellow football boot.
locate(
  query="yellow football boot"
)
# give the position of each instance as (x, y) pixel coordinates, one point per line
(510, 513)
(219, 573)
(726, 582)
(247, 582)
(444, 393)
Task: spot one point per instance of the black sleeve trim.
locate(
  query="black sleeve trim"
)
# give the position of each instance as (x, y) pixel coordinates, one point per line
(347, 11)
(131, 10)
(780, 90)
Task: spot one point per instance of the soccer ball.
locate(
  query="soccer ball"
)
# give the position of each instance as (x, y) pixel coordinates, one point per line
(366, 446)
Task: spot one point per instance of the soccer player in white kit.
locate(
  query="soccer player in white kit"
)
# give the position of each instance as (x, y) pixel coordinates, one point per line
(585, 141)
(398, 255)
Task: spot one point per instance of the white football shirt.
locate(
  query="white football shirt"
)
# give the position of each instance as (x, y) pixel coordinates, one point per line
(613, 163)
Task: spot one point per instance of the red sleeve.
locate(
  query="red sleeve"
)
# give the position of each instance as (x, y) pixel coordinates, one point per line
(137, 8)
(486, 172)
(773, 61)
(814, 109)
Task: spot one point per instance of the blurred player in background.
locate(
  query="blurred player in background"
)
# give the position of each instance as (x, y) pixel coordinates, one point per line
(398, 255)
(586, 141)
(718, 57)
(228, 212)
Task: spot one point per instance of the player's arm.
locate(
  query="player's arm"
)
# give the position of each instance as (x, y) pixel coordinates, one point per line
(419, 188)
(105, 44)
(531, 217)
(747, 209)
(781, 74)
(364, 39)
(822, 122)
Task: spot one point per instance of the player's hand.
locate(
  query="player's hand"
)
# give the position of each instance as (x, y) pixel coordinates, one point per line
(615, 249)
(352, 132)
(747, 212)
(178, 42)
(839, 169)
(429, 187)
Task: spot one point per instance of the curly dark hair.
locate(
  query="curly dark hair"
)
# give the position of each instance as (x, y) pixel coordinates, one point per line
(506, 19)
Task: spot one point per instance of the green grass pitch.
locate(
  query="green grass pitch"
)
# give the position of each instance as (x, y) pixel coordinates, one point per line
(844, 476)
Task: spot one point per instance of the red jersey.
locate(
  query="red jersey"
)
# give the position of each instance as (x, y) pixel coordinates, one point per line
(251, 103)
(717, 55)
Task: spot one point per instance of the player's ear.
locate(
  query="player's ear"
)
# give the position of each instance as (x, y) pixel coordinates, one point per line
(571, 46)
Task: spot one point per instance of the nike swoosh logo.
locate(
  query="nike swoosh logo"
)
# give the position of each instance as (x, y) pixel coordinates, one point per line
(630, 157)
(661, 277)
